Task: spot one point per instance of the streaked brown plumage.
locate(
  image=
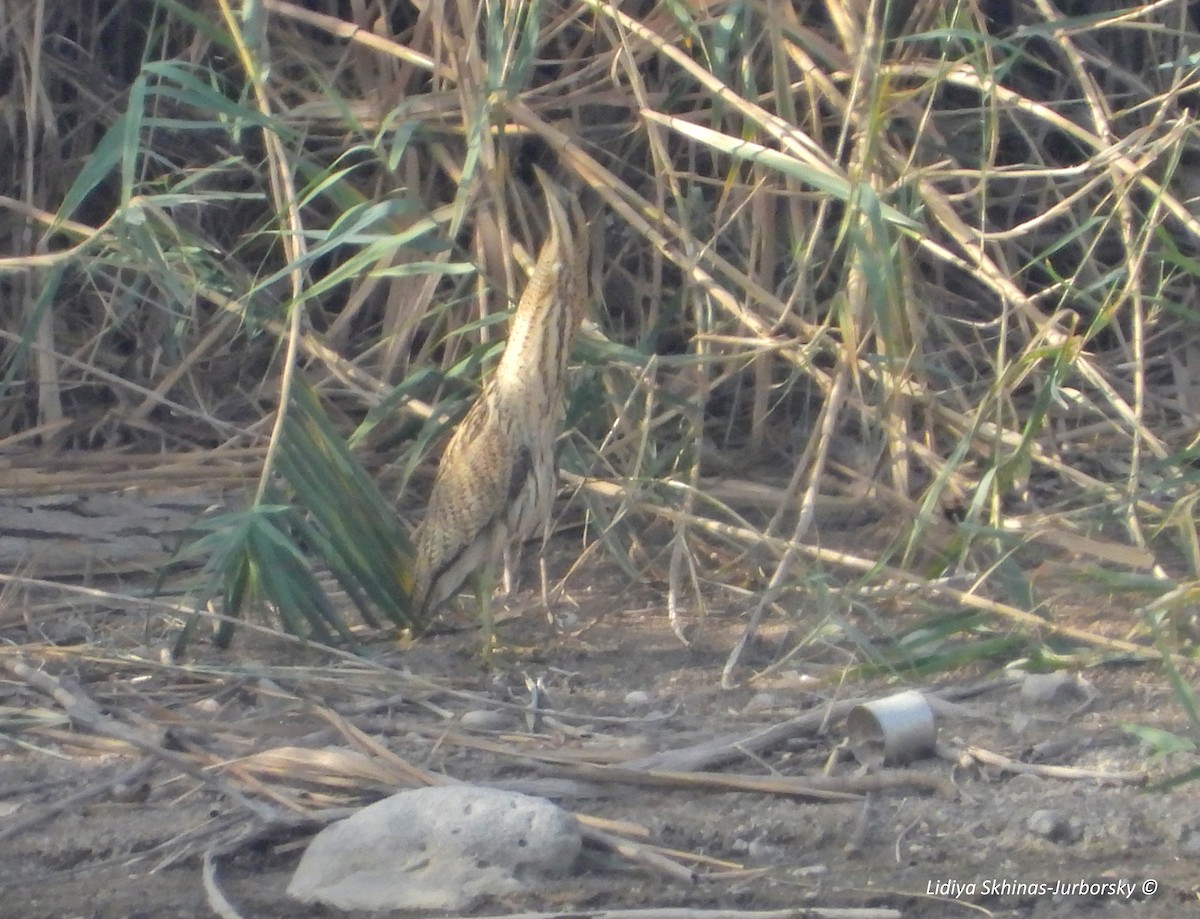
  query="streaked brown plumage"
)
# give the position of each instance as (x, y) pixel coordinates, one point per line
(495, 482)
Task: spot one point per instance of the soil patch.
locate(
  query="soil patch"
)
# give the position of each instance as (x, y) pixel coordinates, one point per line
(94, 827)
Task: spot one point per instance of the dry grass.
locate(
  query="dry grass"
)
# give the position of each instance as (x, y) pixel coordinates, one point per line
(935, 265)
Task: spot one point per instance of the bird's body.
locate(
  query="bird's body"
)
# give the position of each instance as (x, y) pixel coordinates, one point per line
(495, 482)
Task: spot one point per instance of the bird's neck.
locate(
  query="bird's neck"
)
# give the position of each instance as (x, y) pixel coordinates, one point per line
(535, 359)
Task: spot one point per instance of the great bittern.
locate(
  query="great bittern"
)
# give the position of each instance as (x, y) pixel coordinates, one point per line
(495, 482)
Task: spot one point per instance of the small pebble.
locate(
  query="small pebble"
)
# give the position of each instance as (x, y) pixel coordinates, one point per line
(764, 853)
(128, 793)
(637, 698)
(1045, 823)
(1055, 689)
(566, 621)
(485, 719)
(1053, 825)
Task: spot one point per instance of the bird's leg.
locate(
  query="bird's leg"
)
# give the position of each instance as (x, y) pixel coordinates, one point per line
(484, 582)
(512, 561)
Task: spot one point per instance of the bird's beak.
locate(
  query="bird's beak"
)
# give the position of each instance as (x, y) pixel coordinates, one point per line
(560, 224)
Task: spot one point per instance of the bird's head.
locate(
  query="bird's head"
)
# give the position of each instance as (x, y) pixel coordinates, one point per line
(570, 238)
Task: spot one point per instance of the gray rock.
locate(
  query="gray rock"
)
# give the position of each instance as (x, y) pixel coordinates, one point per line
(1050, 689)
(1054, 825)
(484, 719)
(437, 848)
